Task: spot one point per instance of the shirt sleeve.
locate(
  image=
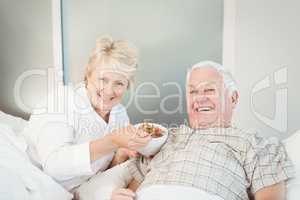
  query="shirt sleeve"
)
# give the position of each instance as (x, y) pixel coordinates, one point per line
(59, 156)
(138, 168)
(267, 163)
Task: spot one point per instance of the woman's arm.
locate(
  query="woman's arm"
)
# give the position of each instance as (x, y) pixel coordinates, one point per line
(127, 137)
(101, 147)
(59, 156)
(63, 160)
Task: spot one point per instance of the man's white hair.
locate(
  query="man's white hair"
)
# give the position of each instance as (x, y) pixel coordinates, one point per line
(228, 79)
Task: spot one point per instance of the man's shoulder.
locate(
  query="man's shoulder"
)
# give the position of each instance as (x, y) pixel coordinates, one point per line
(242, 133)
(254, 139)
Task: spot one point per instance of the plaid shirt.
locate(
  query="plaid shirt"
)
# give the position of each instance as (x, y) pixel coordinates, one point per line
(227, 162)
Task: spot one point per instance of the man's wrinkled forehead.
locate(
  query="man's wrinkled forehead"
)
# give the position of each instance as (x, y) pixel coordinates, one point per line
(204, 76)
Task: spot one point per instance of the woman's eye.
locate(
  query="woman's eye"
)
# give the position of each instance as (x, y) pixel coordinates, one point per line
(193, 91)
(103, 80)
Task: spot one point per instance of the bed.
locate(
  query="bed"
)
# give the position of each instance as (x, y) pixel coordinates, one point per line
(20, 179)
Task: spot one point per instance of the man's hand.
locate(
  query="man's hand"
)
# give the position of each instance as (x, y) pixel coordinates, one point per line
(122, 194)
(273, 192)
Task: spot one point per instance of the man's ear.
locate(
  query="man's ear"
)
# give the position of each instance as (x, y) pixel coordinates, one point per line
(234, 98)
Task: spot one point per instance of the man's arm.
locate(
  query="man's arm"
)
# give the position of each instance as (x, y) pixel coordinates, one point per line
(273, 192)
(133, 185)
(126, 194)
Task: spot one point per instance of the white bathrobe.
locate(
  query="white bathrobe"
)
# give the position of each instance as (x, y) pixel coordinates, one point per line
(59, 133)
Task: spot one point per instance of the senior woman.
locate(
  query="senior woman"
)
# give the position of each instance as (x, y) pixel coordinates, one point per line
(86, 136)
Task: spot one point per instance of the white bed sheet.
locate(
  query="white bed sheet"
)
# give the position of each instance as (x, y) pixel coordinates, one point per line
(19, 178)
(17, 124)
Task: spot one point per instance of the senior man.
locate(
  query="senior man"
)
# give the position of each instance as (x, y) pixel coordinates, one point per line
(211, 159)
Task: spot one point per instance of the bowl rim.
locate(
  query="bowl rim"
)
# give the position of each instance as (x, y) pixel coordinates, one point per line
(165, 130)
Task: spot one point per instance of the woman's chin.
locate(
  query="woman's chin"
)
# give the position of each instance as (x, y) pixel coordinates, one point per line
(103, 107)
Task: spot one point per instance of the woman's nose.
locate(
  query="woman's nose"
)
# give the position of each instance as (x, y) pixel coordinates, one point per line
(108, 90)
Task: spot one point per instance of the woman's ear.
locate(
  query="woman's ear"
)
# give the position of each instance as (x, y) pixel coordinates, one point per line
(88, 80)
(234, 98)
(85, 82)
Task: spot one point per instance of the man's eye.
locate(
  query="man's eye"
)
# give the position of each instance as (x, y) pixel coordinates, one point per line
(193, 91)
(120, 84)
(209, 91)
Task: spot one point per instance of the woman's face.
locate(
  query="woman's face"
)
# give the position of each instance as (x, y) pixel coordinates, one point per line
(106, 88)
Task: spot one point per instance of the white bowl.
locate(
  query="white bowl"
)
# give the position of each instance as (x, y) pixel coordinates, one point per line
(154, 144)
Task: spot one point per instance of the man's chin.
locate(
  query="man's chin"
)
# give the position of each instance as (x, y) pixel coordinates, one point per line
(200, 124)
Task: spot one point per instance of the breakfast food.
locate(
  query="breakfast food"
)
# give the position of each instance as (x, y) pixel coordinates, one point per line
(159, 136)
(152, 130)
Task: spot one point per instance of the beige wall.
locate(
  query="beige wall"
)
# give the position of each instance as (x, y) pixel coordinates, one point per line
(26, 44)
(170, 34)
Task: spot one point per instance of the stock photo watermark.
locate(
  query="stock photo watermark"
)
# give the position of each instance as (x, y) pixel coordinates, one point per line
(279, 121)
(58, 97)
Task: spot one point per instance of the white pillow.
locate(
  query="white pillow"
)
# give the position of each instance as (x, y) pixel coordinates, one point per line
(17, 124)
(26, 179)
(292, 145)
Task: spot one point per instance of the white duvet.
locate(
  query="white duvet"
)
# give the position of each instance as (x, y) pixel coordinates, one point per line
(19, 178)
(174, 192)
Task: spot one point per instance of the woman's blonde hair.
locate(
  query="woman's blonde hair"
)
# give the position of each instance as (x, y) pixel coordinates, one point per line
(116, 55)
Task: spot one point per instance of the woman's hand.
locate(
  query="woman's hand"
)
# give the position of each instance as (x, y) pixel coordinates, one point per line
(130, 137)
(122, 194)
(124, 154)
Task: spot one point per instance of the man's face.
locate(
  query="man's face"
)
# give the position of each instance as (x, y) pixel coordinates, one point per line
(205, 97)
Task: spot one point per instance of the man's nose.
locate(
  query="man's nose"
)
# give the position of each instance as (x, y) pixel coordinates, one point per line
(201, 98)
